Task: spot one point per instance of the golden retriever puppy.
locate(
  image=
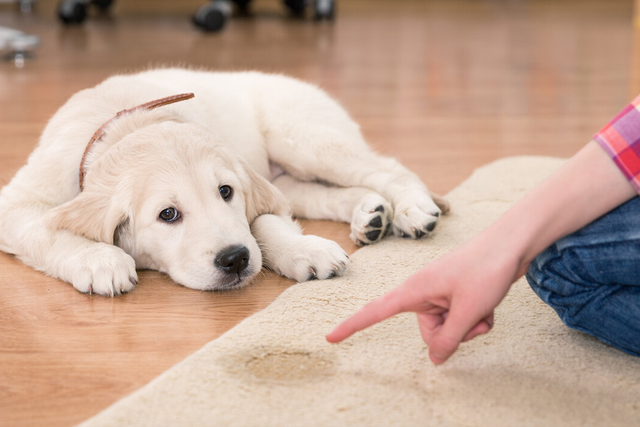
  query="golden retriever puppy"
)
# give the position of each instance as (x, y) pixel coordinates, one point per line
(128, 176)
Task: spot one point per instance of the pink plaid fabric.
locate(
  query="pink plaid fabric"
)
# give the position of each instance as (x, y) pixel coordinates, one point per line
(621, 139)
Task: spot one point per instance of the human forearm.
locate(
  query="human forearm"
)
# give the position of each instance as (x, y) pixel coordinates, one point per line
(583, 189)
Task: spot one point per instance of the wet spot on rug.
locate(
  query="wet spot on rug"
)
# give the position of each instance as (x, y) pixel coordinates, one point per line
(282, 365)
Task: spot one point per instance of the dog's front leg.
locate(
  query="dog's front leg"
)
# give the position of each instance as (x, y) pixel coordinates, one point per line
(290, 253)
(92, 267)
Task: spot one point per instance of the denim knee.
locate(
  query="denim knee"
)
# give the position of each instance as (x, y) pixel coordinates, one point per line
(610, 312)
(558, 282)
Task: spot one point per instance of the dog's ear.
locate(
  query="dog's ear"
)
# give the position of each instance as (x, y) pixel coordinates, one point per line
(262, 197)
(92, 214)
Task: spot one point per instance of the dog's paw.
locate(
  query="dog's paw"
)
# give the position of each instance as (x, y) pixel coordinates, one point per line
(102, 269)
(371, 220)
(415, 219)
(312, 258)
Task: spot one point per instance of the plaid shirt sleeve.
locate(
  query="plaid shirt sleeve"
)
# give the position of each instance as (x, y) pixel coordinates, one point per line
(621, 140)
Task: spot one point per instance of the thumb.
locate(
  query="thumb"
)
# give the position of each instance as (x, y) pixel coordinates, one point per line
(446, 340)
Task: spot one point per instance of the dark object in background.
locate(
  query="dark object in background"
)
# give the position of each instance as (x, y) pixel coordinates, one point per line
(209, 17)
(16, 46)
(214, 15)
(75, 11)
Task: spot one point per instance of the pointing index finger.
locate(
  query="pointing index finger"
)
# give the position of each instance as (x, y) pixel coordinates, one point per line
(376, 311)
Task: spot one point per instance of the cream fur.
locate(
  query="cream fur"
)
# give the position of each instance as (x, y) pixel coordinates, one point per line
(277, 142)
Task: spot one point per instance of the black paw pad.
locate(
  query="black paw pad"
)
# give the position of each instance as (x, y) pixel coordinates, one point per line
(379, 209)
(376, 222)
(431, 226)
(373, 235)
(419, 234)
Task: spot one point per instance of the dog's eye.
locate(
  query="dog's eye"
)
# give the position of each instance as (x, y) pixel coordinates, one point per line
(169, 215)
(226, 192)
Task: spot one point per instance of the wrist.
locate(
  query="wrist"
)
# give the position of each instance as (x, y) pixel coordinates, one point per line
(517, 237)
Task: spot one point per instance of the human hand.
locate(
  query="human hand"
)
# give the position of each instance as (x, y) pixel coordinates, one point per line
(453, 297)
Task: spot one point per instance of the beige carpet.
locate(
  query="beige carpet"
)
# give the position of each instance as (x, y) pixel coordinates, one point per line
(275, 368)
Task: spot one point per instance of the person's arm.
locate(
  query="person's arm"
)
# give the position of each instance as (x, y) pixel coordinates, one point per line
(455, 295)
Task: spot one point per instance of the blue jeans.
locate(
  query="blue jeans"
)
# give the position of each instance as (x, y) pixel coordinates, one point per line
(591, 278)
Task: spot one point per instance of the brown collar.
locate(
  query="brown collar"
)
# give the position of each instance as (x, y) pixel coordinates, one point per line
(100, 133)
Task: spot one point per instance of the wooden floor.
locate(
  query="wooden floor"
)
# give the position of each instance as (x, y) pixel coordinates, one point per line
(444, 86)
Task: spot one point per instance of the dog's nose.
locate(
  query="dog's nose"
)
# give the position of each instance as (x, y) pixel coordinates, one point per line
(233, 259)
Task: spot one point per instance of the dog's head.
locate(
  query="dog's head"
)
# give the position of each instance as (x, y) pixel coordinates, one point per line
(177, 201)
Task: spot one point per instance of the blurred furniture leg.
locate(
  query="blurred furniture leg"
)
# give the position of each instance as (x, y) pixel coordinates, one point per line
(214, 15)
(15, 45)
(73, 12)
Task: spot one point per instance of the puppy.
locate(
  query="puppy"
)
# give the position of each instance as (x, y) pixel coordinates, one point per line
(126, 175)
